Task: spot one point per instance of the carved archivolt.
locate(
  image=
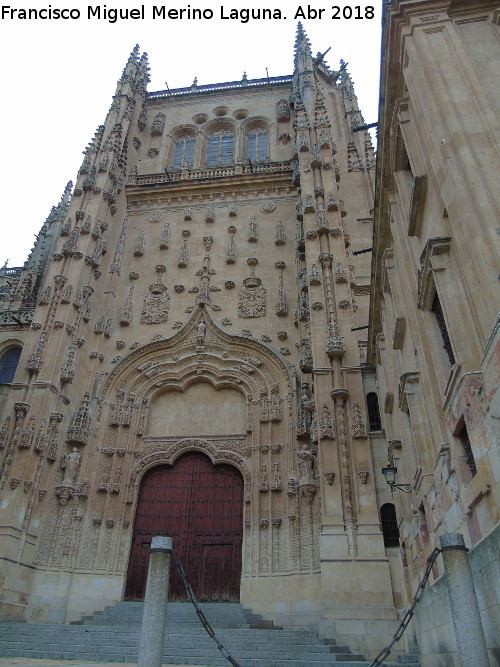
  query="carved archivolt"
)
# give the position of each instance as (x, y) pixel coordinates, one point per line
(173, 451)
(178, 361)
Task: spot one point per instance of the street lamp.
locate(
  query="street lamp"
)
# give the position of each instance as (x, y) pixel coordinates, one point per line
(390, 477)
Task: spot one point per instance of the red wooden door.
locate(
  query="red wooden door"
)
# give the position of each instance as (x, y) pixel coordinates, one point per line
(200, 506)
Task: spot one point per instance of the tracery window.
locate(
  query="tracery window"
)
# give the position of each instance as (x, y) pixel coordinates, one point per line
(8, 364)
(257, 145)
(184, 152)
(220, 148)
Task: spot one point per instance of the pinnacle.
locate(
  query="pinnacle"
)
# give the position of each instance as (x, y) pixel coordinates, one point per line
(343, 70)
(302, 38)
(134, 53)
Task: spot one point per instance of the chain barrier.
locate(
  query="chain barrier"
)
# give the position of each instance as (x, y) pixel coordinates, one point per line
(409, 614)
(201, 615)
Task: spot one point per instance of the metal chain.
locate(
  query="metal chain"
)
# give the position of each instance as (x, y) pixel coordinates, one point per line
(200, 613)
(409, 614)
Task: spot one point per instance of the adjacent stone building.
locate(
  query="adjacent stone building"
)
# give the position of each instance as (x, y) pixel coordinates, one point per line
(187, 349)
(434, 328)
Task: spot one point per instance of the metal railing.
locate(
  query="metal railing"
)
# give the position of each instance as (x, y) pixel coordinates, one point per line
(228, 85)
(409, 614)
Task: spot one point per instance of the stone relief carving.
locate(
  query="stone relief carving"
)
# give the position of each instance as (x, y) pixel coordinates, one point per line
(210, 214)
(156, 216)
(335, 346)
(358, 423)
(306, 359)
(281, 307)
(267, 206)
(252, 297)
(35, 359)
(68, 369)
(271, 406)
(283, 111)
(279, 235)
(156, 303)
(79, 429)
(104, 324)
(264, 481)
(183, 253)
(277, 484)
(253, 233)
(314, 277)
(158, 125)
(231, 247)
(139, 248)
(165, 236)
(27, 435)
(326, 424)
(340, 273)
(120, 249)
(126, 311)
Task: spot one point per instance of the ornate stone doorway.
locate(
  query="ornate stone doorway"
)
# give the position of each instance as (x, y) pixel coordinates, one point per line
(199, 505)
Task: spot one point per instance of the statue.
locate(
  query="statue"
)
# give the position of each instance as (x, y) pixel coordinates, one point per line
(201, 331)
(306, 467)
(70, 464)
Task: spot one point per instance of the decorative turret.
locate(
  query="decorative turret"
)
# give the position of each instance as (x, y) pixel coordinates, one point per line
(303, 68)
(303, 60)
(19, 286)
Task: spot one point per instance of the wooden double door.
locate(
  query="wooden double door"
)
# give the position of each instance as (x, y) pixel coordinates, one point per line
(200, 506)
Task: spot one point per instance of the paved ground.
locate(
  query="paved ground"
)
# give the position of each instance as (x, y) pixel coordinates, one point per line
(29, 662)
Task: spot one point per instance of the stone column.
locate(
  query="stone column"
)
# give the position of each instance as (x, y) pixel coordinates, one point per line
(155, 604)
(463, 602)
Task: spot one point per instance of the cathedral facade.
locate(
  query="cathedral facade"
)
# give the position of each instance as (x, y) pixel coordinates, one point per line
(187, 352)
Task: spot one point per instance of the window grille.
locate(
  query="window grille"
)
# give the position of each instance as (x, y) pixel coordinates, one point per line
(373, 412)
(220, 148)
(8, 364)
(389, 525)
(184, 151)
(438, 312)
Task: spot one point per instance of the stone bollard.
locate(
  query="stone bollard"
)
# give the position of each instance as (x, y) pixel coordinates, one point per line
(155, 604)
(463, 602)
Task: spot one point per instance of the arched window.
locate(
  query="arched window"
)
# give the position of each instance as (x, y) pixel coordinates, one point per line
(389, 525)
(257, 145)
(184, 151)
(220, 148)
(373, 412)
(8, 364)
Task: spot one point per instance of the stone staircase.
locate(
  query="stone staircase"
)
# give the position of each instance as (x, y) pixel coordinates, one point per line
(112, 635)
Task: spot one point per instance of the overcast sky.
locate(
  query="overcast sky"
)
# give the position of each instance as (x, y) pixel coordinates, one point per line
(59, 77)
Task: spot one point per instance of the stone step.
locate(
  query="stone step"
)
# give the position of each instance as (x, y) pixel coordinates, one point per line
(108, 631)
(112, 635)
(217, 662)
(124, 639)
(131, 645)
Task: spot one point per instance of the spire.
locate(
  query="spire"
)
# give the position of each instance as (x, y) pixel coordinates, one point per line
(45, 239)
(142, 75)
(132, 61)
(303, 69)
(303, 55)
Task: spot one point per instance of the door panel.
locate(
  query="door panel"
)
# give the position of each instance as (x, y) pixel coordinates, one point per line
(200, 506)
